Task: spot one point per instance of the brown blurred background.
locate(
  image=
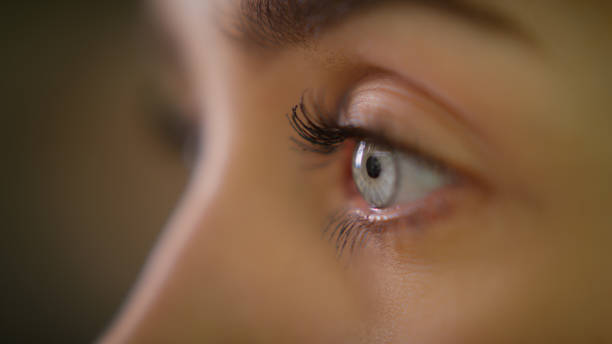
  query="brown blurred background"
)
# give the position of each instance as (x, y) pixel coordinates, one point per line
(92, 163)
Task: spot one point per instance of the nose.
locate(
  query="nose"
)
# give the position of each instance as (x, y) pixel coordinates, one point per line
(242, 259)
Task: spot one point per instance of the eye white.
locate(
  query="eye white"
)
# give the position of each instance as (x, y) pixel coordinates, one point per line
(385, 177)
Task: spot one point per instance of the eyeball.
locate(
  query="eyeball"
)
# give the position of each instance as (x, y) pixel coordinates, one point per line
(375, 173)
(386, 177)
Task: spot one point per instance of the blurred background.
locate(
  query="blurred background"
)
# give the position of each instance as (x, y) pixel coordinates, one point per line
(94, 160)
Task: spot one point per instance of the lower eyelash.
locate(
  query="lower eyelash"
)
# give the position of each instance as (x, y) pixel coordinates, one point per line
(350, 230)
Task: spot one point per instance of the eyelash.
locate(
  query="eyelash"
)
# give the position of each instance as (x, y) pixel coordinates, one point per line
(317, 134)
(347, 229)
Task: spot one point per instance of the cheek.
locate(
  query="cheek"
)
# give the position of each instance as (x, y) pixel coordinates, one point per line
(474, 279)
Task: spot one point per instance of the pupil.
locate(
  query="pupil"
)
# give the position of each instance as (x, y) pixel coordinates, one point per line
(373, 167)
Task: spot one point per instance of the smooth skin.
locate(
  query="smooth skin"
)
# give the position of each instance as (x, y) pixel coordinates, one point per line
(524, 255)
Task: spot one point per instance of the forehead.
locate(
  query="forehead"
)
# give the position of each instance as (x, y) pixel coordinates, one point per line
(540, 21)
(229, 10)
(280, 23)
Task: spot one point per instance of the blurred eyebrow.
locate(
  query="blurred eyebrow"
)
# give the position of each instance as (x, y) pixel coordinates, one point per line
(280, 23)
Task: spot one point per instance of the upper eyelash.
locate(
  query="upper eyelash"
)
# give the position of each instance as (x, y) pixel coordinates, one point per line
(322, 134)
(318, 134)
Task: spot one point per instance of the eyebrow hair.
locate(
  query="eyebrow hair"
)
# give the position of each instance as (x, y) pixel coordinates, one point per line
(279, 23)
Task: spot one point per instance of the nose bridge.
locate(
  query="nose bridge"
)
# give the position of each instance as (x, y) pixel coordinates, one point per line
(239, 261)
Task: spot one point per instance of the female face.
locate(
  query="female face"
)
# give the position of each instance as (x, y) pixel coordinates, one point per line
(389, 171)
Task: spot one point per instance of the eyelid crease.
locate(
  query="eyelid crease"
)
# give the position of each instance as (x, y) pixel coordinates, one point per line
(381, 80)
(369, 105)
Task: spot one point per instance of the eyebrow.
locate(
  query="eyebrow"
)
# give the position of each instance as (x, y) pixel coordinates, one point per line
(274, 24)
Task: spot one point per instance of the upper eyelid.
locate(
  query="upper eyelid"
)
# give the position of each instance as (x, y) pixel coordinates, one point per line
(415, 151)
(379, 137)
(327, 135)
(329, 123)
(389, 82)
(472, 150)
(379, 134)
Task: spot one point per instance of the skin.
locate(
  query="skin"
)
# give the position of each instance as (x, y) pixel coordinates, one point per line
(521, 253)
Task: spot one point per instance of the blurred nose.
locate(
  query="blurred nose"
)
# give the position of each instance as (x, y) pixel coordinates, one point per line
(242, 260)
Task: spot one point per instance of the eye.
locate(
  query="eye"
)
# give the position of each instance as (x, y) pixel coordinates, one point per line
(386, 177)
(392, 174)
(375, 173)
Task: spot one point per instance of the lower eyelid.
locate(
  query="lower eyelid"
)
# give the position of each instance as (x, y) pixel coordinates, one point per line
(357, 224)
(431, 207)
(353, 228)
